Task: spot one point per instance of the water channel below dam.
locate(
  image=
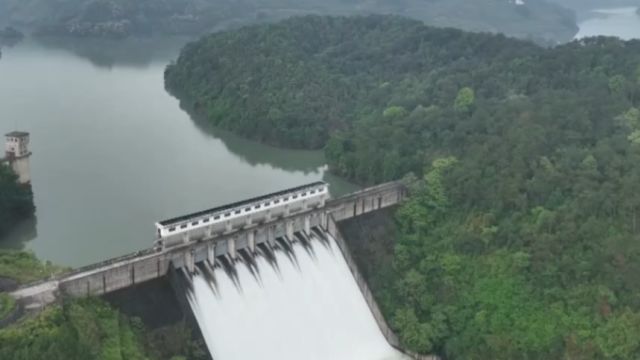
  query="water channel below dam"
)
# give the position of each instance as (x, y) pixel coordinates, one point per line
(306, 292)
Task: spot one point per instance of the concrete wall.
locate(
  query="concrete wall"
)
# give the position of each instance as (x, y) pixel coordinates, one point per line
(21, 167)
(132, 269)
(248, 239)
(365, 201)
(17, 153)
(386, 330)
(117, 275)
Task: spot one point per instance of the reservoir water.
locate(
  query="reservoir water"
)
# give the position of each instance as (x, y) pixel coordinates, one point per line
(113, 152)
(621, 22)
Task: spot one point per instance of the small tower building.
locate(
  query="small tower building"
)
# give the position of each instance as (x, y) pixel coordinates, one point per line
(17, 154)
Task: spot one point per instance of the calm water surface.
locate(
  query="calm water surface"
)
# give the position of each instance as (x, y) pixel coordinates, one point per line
(113, 152)
(621, 22)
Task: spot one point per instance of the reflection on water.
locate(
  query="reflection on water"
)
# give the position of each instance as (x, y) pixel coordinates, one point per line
(255, 153)
(21, 234)
(107, 53)
(113, 152)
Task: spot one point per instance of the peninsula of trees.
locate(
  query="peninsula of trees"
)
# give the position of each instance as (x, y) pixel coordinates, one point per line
(521, 236)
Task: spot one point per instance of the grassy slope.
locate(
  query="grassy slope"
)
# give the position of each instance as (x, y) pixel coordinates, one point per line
(24, 266)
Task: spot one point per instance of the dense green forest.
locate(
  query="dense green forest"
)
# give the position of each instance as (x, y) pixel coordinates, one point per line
(521, 237)
(120, 18)
(84, 329)
(295, 82)
(16, 201)
(92, 329)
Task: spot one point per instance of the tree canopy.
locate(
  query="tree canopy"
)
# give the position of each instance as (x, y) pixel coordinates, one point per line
(86, 329)
(296, 82)
(16, 201)
(90, 328)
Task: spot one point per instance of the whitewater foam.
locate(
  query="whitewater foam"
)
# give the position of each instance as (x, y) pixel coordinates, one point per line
(305, 305)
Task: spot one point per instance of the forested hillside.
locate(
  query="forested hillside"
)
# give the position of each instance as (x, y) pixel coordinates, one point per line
(120, 18)
(522, 238)
(295, 82)
(87, 329)
(91, 329)
(16, 201)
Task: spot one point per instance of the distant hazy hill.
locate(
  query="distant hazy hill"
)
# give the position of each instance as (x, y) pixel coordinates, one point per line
(119, 18)
(586, 5)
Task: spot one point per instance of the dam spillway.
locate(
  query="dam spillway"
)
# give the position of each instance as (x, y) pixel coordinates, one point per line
(296, 301)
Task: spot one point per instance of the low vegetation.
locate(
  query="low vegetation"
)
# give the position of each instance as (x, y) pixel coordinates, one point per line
(7, 304)
(25, 267)
(91, 329)
(84, 329)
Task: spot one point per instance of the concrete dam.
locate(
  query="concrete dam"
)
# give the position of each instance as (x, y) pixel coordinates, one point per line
(269, 277)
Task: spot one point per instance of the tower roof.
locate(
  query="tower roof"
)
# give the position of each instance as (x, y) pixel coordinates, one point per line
(18, 134)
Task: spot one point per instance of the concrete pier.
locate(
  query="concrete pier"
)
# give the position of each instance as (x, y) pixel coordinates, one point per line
(17, 155)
